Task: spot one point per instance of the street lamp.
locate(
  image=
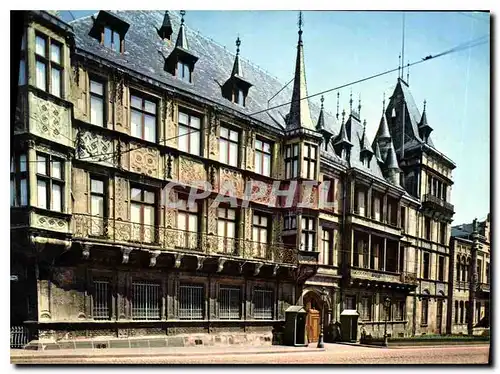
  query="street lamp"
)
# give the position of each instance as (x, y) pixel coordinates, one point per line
(321, 344)
(387, 304)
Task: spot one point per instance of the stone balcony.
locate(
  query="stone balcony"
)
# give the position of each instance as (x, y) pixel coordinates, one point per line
(403, 278)
(435, 203)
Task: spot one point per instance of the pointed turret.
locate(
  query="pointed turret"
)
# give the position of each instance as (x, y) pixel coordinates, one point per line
(320, 126)
(378, 155)
(383, 136)
(341, 143)
(423, 127)
(391, 168)
(165, 31)
(236, 87)
(300, 115)
(366, 149)
(383, 130)
(182, 41)
(236, 66)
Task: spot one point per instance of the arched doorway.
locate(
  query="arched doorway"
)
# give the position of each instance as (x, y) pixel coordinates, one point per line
(314, 306)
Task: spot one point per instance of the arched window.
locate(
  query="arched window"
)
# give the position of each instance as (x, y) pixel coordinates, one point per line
(425, 307)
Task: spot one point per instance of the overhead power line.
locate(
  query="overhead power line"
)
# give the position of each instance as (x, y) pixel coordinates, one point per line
(463, 46)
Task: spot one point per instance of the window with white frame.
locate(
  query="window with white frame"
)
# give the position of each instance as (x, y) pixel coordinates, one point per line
(97, 102)
(263, 157)
(260, 234)
(101, 300)
(189, 133)
(142, 213)
(327, 246)
(228, 146)
(19, 180)
(229, 302)
(263, 303)
(143, 118)
(291, 161)
(183, 71)
(226, 229)
(48, 65)
(97, 205)
(191, 301)
(22, 62)
(308, 234)
(146, 300)
(50, 182)
(187, 224)
(309, 161)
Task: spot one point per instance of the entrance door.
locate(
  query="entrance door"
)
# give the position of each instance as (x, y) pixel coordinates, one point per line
(312, 325)
(439, 316)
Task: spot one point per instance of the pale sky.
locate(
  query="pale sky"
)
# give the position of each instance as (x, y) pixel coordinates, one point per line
(343, 46)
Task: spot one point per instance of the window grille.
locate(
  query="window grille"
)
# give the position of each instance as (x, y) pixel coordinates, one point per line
(191, 301)
(229, 302)
(100, 308)
(263, 304)
(145, 300)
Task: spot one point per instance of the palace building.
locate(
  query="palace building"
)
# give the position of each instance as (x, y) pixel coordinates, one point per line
(113, 107)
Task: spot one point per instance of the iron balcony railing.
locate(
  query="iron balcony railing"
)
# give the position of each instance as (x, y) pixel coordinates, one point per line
(436, 200)
(118, 231)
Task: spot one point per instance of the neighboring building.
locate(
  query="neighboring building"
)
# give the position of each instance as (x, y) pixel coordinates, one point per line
(469, 277)
(114, 106)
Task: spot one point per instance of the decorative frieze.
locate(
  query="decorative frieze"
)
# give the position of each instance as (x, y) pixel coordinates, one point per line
(49, 223)
(145, 160)
(94, 147)
(191, 172)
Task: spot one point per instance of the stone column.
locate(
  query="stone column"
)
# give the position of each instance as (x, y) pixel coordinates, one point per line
(352, 248)
(352, 196)
(369, 250)
(397, 257)
(385, 254)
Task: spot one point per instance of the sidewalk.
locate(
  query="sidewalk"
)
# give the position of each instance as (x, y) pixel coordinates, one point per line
(21, 354)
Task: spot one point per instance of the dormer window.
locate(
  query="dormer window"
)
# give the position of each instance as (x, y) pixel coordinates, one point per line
(239, 97)
(110, 31)
(112, 40)
(235, 89)
(183, 72)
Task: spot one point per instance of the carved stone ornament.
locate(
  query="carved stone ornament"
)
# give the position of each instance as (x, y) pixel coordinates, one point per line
(220, 266)
(153, 257)
(125, 255)
(257, 269)
(178, 259)
(200, 261)
(86, 251)
(144, 161)
(275, 270)
(51, 120)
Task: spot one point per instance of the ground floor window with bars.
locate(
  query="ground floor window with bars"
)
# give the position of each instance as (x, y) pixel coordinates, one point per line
(101, 300)
(191, 301)
(145, 300)
(229, 302)
(263, 303)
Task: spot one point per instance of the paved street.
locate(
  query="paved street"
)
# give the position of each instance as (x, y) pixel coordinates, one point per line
(334, 354)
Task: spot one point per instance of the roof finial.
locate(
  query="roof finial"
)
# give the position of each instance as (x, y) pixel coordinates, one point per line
(350, 102)
(359, 106)
(338, 99)
(408, 73)
(364, 125)
(300, 23)
(238, 43)
(343, 115)
(399, 66)
(322, 99)
(183, 12)
(425, 103)
(383, 104)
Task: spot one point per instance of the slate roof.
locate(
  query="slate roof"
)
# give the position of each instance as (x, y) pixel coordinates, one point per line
(145, 52)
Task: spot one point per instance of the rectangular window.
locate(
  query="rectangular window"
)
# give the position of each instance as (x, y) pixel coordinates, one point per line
(479, 271)
(426, 265)
(308, 234)
(183, 72)
(22, 62)
(427, 222)
(456, 312)
(263, 303)
(226, 230)
(442, 232)
(290, 222)
(385, 310)
(309, 161)
(350, 302)
(260, 234)
(403, 218)
(146, 300)
(50, 183)
(441, 268)
(263, 157)
(96, 103)
(18, 180)
(49, 65)
(425, 310)
(377, 207)
(399, 309)
(189, 133)
(191, 301)
(229, 302)
(366, 309)
(143, 118)
(239, 97)
(327, 247)
(111, 39)
(97, 201)
(292, 161)
(187, 224)
(142, 213)
(488, 273)
(228, 146)
(101, 300)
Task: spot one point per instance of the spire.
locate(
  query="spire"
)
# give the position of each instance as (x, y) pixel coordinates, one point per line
(391, 161)
(342, 137)
(399, 66)
(165, 31)
(423, 120)
(350, 103)
(383, 130)
(236, 66)
(365, 146)
(338, 99)
(359, 107)
(378, 155)
(182, 41)
(423, 127)
(408, 73)
(321, 118)
(299, 115)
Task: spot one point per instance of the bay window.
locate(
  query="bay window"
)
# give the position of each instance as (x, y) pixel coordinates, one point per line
(143, 118)
(228, 146)
(189, 133)
(49, 65)
(263, 157)
(292, 161)
(327, 241)
(308, 234)
(22, 62)
(97, 206)
(309, 161)
(50, 182)
(19, 180)
(142, 213)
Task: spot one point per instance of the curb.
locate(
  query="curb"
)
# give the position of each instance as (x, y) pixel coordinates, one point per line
(153, 354)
